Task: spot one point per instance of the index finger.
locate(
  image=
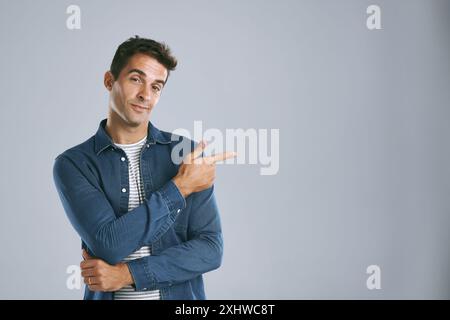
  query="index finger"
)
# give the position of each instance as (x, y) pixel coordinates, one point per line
(197, 151)
(87, 264)
(220, 156)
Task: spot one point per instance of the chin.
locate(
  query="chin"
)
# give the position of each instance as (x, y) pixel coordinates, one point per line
(138, 123)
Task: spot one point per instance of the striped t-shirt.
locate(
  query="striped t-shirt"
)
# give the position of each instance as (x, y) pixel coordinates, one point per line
(136, 198)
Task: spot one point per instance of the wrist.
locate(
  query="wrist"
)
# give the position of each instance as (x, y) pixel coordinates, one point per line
(127, 279)
(185, 192)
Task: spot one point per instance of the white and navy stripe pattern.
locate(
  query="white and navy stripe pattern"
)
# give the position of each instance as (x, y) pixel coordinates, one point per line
(136, 198)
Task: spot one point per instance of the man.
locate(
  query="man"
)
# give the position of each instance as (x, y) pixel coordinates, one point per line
(149, 227)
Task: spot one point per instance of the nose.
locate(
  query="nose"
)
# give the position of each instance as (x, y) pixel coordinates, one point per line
(144, 94)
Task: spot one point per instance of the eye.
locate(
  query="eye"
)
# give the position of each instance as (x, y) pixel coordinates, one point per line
(156, 88)
(135, 79)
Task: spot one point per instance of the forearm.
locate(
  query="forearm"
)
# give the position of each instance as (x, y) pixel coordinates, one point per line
(107, 236)
(178, 263)
(145, 224)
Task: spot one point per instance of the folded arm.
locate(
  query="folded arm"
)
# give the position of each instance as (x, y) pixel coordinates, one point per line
(200, 254)
(107, 236)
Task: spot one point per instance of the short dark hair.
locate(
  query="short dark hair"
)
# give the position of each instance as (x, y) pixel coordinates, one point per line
(158, 50)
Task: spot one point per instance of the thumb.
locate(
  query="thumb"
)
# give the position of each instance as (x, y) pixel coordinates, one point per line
(85, 255)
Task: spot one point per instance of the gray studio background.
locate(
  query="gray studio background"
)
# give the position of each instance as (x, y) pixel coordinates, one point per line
(364, 126)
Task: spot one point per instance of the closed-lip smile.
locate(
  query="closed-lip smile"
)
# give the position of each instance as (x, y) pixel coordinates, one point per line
(138, 106)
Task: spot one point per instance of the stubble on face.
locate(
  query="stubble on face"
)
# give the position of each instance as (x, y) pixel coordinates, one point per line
(139, 84)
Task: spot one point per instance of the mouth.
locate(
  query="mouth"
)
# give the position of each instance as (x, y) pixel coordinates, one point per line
(139, 108)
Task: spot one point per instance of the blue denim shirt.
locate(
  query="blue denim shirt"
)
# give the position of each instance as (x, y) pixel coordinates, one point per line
(184, 235)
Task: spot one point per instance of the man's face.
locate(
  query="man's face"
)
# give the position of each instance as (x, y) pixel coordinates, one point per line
(137, 89)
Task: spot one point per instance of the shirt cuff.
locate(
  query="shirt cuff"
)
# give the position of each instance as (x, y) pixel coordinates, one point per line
(143, 278)
(173, 197)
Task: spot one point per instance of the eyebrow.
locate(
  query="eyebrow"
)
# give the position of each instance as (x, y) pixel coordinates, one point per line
(142, 73)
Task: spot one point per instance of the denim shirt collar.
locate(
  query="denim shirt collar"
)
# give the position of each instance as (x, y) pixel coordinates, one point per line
(103, 140)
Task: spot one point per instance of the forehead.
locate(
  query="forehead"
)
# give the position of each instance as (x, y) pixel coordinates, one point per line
(152, 68)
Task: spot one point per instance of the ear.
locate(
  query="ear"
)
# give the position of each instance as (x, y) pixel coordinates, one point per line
(108, 80)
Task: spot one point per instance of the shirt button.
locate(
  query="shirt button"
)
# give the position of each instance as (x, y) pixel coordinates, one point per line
(124, 190)
(122, 159)
(148, 146)
(178, 211)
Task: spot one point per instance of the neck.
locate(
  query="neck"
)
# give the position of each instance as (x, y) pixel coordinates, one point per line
(122, 133)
